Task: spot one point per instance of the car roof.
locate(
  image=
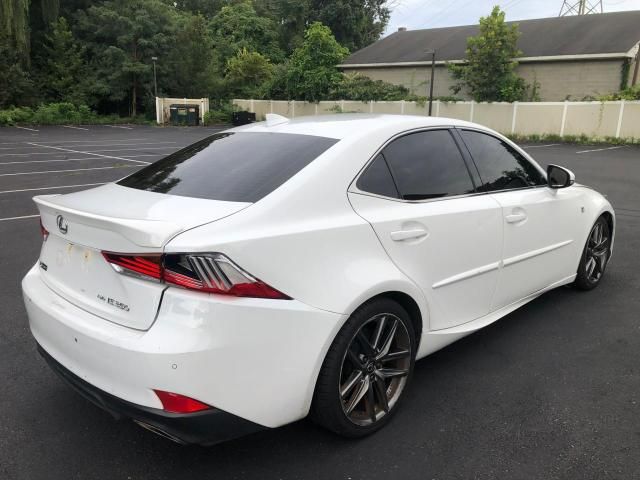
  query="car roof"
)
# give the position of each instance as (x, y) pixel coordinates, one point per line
(347, 125)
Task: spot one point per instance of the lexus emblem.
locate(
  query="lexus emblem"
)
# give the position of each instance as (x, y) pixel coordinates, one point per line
(62, 224)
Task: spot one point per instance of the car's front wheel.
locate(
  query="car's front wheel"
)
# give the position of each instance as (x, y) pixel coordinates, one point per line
(366, 370)
(595, 256)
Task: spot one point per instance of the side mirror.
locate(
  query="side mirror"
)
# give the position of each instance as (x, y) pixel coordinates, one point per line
(559, 177)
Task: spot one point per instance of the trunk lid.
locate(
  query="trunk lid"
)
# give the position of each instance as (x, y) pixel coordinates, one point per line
(117, 219)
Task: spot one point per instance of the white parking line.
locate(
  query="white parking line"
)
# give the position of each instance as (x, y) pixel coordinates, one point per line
(542, 146)
(111, 144)
(77, 159)
(168, 147)
(30, 129)
(51, 188)
(119, 126)
(18, 218)
(89, 153)
(65, 171)
(82, 141)
(47, 161)
(75, 128)
(76, 141)
(601, 149)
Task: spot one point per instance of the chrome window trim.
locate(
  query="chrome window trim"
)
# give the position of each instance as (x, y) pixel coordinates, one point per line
(353, 188)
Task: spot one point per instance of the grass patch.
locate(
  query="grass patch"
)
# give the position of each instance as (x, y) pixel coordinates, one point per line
(573, 139)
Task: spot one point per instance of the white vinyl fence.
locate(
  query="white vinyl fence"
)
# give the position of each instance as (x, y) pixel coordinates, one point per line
(619, 119)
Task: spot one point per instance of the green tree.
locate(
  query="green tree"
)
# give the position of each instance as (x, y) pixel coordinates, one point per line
(313, 71)
(122, 36)
(238, 26)
(62, 72)
(14, 26)
(16, 87)
(191, 71)
(291, 16)
(355, 23)
(247, 72)
(489, 70)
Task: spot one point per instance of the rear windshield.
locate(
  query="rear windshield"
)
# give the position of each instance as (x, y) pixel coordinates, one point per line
(234, 167)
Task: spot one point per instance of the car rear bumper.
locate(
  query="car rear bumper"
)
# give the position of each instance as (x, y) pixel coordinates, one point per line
(204, 428)
(257, 360)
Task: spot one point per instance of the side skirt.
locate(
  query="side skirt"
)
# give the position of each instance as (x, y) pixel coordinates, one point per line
(434, 340)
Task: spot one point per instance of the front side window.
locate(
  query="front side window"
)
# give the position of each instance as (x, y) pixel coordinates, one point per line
(500, 166)
(428, 165)
(234, 167)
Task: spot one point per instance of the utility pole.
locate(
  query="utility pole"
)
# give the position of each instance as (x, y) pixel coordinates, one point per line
(581, 7)
(155, 82)
(635, 68)
(433, 72)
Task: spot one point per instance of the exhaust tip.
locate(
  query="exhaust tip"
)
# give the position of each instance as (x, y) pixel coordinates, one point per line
(159, 431)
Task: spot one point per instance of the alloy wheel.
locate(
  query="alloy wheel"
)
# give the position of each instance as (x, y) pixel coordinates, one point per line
(597, 252)
(374, 369)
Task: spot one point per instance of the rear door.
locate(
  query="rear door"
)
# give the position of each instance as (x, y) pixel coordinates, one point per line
(419, 196)
(539, 222)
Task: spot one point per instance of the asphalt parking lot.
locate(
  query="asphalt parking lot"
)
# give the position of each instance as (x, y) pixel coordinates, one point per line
(550, 391)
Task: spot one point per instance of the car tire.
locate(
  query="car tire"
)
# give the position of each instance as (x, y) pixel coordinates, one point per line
(371, 358)
(595, 256)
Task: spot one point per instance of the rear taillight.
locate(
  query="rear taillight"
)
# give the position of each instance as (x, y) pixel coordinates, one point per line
(211, 273)
(136, 265)
(175, 403)
(43, 231)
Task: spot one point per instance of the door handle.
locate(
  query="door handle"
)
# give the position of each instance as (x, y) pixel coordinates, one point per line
(516, 217)
(413, 233)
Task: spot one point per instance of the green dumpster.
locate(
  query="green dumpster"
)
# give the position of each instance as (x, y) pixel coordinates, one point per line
(184, 115)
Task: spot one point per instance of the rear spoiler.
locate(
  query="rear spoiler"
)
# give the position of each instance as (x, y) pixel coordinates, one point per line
(143, 233)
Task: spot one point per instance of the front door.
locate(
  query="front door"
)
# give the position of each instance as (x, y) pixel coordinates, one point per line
(540, 244)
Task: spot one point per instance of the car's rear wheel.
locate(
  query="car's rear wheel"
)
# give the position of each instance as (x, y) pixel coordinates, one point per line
(595, 256)
(366, 370)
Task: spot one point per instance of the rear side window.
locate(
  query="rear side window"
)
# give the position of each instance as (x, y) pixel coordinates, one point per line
(234, 167)
(377, 179)
(428, 165)
(500, 166)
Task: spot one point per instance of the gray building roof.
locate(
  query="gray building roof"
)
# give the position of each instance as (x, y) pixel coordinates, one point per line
(586, 35)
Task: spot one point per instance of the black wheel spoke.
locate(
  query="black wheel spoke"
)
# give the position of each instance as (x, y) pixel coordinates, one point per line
(364, 343)
(386, 345)
(371, 402)
(358, 395)
(377, 335)
(396, 355)
(381, 392)
(352, 381)
(388, 373)
(357, 363)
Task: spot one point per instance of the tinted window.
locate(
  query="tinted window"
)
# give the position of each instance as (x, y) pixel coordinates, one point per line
(427, 165)
(500, 166)
(235, 167)
(377, 179)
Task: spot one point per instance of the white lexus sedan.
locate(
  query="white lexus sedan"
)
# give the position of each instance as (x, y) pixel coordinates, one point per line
(288, 268)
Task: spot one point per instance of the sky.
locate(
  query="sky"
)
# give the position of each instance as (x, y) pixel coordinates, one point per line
(417, 14)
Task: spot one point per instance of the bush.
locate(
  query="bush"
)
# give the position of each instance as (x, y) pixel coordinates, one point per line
(631, 93)
(15, 115)
(358, 87)
(59, 114)
(221, 114)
